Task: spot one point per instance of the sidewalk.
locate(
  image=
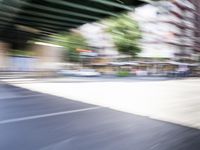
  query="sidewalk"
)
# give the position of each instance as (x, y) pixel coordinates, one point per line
(175, 101)
(18, 79)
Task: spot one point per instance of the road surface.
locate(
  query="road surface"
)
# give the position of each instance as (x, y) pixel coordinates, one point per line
(35, 121)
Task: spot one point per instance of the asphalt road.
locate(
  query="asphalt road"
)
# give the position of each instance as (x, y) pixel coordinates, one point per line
(35, 121)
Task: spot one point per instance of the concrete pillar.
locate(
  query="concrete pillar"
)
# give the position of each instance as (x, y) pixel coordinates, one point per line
(3, 56)
(48, 56)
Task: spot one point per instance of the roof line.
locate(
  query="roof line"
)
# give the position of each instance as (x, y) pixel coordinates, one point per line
(37, 6)
(83, 7)
(37, 23)
(36, 19)
(45, 15)
(110, 3)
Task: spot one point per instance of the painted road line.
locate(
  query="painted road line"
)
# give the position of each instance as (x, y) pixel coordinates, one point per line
(23, 97)
(46, 115)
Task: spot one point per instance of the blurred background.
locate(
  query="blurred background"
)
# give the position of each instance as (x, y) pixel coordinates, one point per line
(99, 74)
(99, 38)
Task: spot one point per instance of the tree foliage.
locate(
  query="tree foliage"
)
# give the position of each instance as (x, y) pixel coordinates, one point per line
(71, 42)
(125, 33)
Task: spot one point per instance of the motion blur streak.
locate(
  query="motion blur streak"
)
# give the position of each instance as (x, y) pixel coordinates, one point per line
(99, 75)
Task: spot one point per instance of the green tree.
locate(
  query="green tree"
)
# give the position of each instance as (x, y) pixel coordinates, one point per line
(71, 42)
(125, 33)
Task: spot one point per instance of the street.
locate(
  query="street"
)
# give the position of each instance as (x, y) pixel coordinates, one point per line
(175, 101)
(37, 121)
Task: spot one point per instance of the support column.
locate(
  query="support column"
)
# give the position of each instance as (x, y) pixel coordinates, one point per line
(48, 57)
(3, 56)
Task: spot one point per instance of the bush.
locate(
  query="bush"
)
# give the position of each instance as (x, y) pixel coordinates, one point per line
(122, 73)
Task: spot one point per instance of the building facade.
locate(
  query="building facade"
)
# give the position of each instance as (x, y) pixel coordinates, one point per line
(168, 30)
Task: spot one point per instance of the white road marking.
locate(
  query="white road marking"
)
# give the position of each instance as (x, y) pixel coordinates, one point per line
(19, 97)
(46, 115)
(58, 145)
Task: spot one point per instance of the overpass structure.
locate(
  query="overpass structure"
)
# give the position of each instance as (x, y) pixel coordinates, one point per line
(22, 20)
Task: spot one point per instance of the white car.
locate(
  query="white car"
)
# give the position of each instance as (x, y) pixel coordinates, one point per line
(81, 73)
(68, 72)
(88, 73)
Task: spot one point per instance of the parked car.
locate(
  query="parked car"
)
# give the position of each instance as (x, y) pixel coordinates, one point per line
(80, 73)
(88, 73)
(68, 72)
